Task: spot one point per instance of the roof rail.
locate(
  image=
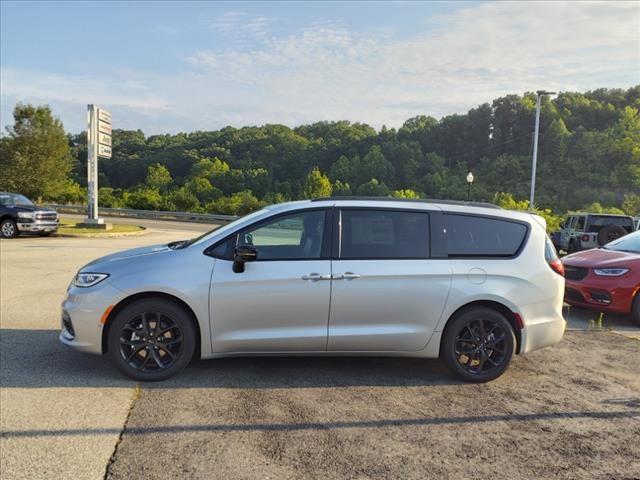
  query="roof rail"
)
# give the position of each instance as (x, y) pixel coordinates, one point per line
(411, 200)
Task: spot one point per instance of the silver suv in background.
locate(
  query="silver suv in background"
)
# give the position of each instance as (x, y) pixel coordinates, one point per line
(471, 284)
(582, 231)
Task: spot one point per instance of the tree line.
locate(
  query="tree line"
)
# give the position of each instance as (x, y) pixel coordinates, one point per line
(589, 158)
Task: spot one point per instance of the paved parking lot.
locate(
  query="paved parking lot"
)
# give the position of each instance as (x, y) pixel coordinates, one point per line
(570, 411)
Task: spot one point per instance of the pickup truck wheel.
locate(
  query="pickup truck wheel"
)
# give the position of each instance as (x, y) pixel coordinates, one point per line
(8, 228)
(609, 233)
(572, 248)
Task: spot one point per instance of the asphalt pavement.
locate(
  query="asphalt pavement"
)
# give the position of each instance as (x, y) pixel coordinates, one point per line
(44, 386)
(68, 415)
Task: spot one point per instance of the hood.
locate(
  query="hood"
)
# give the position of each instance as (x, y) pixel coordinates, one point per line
(129, 254)
(599, 257)
(29, 208)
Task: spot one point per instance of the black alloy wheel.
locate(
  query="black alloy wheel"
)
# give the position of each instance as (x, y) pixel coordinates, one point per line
(151, 339)
(478, 344)
(150, 342)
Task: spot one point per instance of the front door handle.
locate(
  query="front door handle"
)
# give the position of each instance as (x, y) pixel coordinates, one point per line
(316, 276)
(346, 276)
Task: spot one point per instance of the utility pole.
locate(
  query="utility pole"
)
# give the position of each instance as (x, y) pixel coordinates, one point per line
(539, 95)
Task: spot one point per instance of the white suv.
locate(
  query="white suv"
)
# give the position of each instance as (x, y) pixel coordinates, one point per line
(471, 284)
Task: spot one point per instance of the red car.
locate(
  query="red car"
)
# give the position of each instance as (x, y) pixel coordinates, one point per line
(607, 278)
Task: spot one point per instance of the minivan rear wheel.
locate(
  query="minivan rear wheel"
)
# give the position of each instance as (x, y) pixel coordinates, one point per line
(151, 339)
(478, 344)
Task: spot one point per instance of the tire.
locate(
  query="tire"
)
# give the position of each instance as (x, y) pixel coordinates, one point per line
(635, 310)
(8, 228)
(572, 248)
(144, 357)
(460, 344)
(609, 233)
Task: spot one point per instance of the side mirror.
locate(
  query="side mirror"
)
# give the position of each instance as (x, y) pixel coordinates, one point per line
(243, 253)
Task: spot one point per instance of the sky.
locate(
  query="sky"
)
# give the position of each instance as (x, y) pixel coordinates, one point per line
(167, 67)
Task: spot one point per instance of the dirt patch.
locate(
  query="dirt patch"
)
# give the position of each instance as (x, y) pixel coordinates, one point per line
(557, 413)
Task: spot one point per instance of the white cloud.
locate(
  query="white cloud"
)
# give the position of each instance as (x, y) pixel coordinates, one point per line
(329, 72)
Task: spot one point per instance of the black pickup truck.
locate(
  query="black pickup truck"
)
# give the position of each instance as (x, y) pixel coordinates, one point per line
(18, 215)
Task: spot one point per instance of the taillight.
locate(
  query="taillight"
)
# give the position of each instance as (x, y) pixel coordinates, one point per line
(585, 238)
(551, 256)
(557, 266)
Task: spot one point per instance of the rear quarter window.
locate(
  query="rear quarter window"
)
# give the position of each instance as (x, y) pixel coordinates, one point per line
(476, 236)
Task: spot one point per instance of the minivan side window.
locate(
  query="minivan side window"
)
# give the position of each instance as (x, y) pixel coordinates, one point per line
(298, 236)
(475, 236)
(383, 234)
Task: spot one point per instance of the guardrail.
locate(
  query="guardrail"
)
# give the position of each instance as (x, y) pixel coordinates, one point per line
(148, 214)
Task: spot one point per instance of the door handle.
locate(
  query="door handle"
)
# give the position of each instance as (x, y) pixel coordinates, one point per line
(316, 276)
(346, 276)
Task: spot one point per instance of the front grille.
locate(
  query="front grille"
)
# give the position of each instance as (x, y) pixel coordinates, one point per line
(46, 216)
(575, 273)
(572, 294)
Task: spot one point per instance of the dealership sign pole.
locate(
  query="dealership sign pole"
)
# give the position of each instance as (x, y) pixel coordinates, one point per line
(98, 145)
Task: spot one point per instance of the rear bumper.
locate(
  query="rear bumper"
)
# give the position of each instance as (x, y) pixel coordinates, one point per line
(544, 325)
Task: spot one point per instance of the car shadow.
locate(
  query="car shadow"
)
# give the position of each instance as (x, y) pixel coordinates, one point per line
(583, 319)
(36, 359)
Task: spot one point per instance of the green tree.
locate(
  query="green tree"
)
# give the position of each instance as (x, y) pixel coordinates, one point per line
(35, 155)
(184, 200)
(316, 185)
(341, 189)
(631, 204)
(158, 177)
(373, 188)
(405, 193)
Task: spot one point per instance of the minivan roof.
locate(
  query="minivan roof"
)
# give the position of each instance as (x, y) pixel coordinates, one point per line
(411, 200)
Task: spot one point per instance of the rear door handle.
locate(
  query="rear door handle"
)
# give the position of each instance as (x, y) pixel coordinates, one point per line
(314, 277)
(346, 276)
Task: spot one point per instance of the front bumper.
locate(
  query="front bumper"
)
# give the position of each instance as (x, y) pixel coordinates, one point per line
(609, 294)
(82, 311)
(38, 226)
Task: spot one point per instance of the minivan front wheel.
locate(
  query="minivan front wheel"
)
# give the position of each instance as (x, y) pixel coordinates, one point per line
(478, 344)
(151, 339)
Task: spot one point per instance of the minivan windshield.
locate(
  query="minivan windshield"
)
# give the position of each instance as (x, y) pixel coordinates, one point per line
(15, 199)
(628, 243)
(219, 230)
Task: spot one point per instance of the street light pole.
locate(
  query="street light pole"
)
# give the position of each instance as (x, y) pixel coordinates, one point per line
(539, 95)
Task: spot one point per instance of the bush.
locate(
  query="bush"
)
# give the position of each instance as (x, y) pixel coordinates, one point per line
(239, 203)
(144, 198)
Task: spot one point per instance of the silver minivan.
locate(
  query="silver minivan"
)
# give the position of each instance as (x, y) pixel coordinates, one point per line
(471, 284)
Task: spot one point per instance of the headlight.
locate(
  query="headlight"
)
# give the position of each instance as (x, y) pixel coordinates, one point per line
(610, 272)
(25, 214)
(84, 280)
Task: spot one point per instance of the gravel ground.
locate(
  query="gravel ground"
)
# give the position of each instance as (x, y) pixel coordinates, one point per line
(570, 411)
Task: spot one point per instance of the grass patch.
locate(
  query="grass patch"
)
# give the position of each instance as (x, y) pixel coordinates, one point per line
(69, 226)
